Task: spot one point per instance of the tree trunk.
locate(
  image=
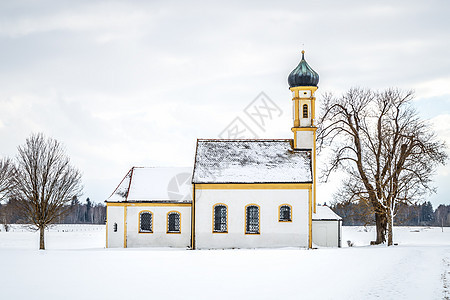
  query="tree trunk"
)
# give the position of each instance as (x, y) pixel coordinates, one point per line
(390, 228)
(41, 238)
(381, 224)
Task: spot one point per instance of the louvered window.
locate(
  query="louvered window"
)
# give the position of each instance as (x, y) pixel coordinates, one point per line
(305, 110)
(173, 222)
(285, 213)
(252, 219)
(146, 222)
(220, 218)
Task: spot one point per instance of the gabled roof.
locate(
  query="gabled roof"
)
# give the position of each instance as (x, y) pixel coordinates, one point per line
(251, 161)
(325, 213)
(154, 185)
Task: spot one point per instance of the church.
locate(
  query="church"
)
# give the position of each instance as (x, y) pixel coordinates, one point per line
(240, 194)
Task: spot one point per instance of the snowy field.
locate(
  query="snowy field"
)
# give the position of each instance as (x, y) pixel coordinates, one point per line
(76, 266)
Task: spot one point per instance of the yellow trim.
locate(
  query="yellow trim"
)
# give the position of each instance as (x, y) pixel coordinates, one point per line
(193, 218)
(313, 110)
(304, 129)
(213, 213)
(310, 221)
(106, 225)
(167, 221)
(304, 88)
(147, 204)
(295, 140)
(296, 112)
(139, 221)
(259, 219)
(253, 186)
(279, 213)
(125, 227)
(314, 170)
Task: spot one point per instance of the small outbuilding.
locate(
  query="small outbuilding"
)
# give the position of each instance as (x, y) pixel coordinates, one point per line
(326, 227)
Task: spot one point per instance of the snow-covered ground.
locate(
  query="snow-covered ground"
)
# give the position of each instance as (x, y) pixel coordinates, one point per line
(76, 266)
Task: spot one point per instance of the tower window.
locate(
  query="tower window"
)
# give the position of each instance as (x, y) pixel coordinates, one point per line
(305, 110)
(285, 213)
(252, 219)
(173, 222)
(145, 222)
(115, 227)
(220, 218)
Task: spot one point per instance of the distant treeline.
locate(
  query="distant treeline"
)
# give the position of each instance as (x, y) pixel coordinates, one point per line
(360, 213)
(85, 212)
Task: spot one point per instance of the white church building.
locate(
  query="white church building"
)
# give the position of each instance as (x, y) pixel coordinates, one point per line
(239, 194)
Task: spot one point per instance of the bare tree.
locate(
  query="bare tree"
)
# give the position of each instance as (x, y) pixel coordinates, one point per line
(45, 182)
(387, 151)
(6, 173)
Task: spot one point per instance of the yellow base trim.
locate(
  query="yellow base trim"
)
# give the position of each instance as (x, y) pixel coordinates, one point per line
(146, 204)
(294, 129)
(193, 218)
(303, 88)
(106, 227)
(310, 220)
(253, 186)
(125, 227)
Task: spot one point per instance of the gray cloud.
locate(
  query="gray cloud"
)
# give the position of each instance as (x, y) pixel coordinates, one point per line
(136, 82)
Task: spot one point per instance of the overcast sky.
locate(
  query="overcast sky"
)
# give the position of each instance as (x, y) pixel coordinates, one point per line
(135, 83)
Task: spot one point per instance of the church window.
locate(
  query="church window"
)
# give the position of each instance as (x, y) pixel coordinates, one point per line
(285, 213)
(220, 218)
(252, 219)
(145, 222)
(173, 222)
(305, 110)
(115, 227)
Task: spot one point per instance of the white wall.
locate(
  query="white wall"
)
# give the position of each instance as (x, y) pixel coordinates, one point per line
(305, 139)
(272, 232)
(326, 233)
(159, 237)
(115, 215)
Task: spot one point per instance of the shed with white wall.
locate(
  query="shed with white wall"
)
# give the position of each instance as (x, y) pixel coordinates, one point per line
(326, 227)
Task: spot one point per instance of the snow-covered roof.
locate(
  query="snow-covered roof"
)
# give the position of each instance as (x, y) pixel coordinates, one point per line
(325, 213)
(155, 185)
(251, 161)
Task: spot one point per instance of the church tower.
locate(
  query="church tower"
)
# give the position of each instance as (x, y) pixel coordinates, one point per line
(303, 82)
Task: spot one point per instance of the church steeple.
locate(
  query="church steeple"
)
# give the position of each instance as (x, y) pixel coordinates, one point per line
(303, 82)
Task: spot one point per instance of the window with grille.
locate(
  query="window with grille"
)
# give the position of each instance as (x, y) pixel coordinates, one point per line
(146, 222)
(173, 222)
(252, 219)
(220, 218)
(305, 110)
(285, 213)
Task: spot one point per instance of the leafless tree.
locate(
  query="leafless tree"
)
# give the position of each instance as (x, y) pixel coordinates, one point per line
(6, 173)
(45, 182)
(387, 151)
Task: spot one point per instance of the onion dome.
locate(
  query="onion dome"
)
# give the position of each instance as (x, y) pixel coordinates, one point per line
(303, 75)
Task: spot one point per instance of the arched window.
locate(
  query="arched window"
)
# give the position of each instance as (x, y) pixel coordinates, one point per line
(145, 222)
(220, 218)
(305, 110)
(115, 227)
(173, 222)
(252, 219)
(285, 213)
